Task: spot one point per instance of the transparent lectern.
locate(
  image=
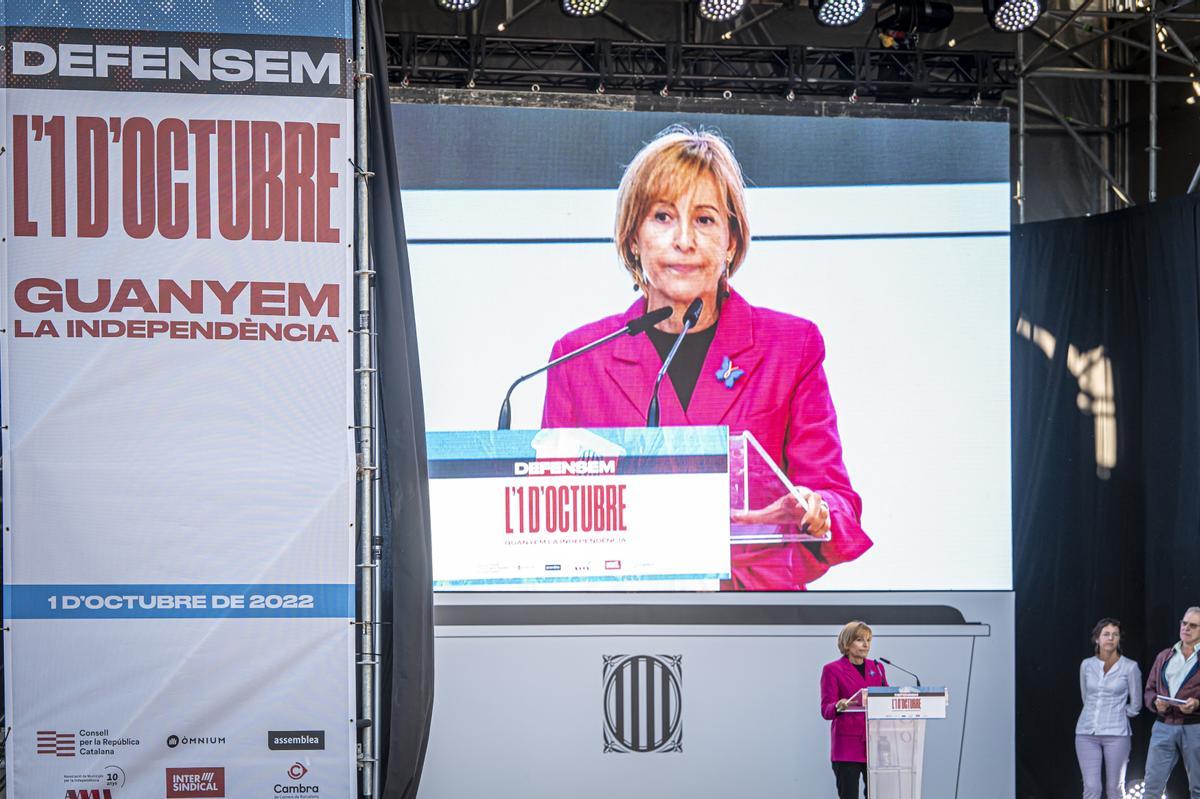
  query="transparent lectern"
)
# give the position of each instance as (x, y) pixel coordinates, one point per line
(755, 483)
(896, 738)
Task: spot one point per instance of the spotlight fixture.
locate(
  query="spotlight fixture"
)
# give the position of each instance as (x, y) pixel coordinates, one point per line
(457, 5)
(836, 13)
(720, 10)
(583, 8)
(1013, 16)
(914, 16)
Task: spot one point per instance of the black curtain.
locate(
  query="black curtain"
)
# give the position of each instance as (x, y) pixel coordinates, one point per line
(1091, 538)
(406, 640)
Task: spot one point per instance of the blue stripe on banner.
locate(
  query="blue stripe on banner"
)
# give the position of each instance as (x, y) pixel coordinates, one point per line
(180, 601)
(576, 443)
(327, 18)
(677, 464)
(599, 578)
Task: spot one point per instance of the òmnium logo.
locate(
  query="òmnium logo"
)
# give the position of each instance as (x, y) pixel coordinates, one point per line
(643, 703)
(296, 739)
(193, 740)
(196, 783)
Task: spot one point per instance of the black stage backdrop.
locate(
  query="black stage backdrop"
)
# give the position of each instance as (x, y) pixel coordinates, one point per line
(1092, 541)
(406, 637)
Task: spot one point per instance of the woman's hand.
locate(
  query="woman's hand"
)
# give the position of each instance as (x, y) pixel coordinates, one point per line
(788, 509)
(841, 704)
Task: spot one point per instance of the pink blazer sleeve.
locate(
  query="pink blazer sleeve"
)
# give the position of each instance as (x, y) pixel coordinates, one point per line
(813, 451)
(829, 697)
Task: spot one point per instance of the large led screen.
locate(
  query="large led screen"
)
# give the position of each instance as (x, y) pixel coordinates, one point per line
(862, 341)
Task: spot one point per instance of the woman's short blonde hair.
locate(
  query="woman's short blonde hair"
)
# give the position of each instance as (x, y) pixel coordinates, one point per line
(663, 170)
(851, 631)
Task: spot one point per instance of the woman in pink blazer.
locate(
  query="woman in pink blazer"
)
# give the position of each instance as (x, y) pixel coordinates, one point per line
(842, 684)
(682, 233)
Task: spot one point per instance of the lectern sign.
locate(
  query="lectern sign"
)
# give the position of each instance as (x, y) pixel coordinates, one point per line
(907, 703)
(634, 508)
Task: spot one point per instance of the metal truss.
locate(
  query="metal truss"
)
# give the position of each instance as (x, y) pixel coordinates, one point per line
(697, 70)
(1109, 49)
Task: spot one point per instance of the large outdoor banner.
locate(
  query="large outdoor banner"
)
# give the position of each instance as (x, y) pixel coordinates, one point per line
(177, 412)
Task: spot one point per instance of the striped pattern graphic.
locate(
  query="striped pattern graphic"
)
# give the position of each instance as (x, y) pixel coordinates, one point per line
(643, 703)
(60, 744)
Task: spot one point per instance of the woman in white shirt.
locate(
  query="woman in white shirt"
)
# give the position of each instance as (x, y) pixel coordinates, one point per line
(1111, 687)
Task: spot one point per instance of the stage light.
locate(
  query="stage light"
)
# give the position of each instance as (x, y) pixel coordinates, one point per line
(457, 5)
(914, 16)
(836, 13)
(583, 8)
(1012, 16)
(720, 10)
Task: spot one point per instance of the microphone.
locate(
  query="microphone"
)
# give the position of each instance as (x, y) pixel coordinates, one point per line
(690, 317)
(634, 326)
(906, 671)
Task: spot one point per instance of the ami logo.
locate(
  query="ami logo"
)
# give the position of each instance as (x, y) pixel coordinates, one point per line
(89, 793)
(643, 703)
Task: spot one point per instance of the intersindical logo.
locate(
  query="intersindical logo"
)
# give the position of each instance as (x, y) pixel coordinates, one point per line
(196, 783)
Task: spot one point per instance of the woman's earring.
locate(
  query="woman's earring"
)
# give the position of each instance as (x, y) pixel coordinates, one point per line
(638, 277)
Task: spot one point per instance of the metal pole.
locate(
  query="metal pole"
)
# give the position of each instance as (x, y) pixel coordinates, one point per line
(1153, 177)
(1079, 73)
(959, 41)
(1106, 120)
(729, 34)
(377, 595)
(1116, 187)
(365, 389)
(1195, 180)
(1058, 31)
(1020, 194)
(1131, 42)
(1074, 56)
(1124, 26)
(1183, 48)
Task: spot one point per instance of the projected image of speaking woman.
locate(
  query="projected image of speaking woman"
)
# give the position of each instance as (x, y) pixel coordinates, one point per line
(682, 233)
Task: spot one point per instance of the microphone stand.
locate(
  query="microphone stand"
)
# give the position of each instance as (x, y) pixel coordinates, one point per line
(906, 671)
(632, 328)
(690, 317)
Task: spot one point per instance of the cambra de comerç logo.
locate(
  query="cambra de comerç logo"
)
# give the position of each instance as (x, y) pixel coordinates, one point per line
(296, 772)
